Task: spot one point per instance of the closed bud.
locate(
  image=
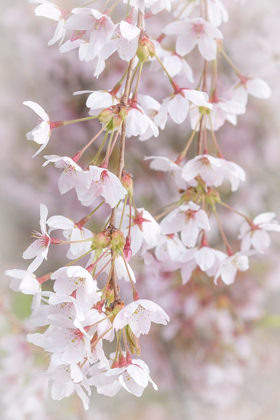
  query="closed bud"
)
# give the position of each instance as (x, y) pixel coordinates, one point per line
(127, 182)
(100, 241)
(117, 241)
(145, 50)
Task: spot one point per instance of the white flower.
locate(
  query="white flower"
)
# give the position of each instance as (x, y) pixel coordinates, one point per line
(52, 11)
(42, 132)
(121, 268)
(139, 124)
(213, 171)
(126, 38)
(177, 105)
(169, 247)
(65, 379)
(231, 265)
(164, 164)
(139, 315)
(99, 27)
(217, 12)
(192, 32)
(40, 247)
(144, 229)
(156, 6)
(134, 378)
(257, 236)
(187, 219)
(99, 181)
(253, 86)
(24, 281)
(73, 232)
(99, 99)
(68, 177)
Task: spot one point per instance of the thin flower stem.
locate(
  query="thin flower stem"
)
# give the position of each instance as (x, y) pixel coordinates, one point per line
(95, 159)
(227, 245)
(129, 276)
(94, 138)
(123, 210)
(214, 137)
(165, 70)
(77, 259)
(109, 277)
(159, 216)
(184, 152)
(230, 62)
(80, 120)
(76, 242)
(93, 211)
(100, 338)
(138, 80)
(111, 260)
(115, 139)
(107, 156)
(248, 219)
(164, 207)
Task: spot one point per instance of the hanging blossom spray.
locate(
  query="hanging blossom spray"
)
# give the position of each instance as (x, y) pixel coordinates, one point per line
(79, 315)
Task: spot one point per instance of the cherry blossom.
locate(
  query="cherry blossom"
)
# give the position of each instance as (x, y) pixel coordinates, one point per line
(177, 105)
(192, 32)
(169, 247)
(126, 37)
(68, 177)
(187, 219)
(52, 11)
(99, 181)
(42, 132)
(164, 164)
(134, 378)
(99, 27)
(253, 86)
(144, 229)
(139, 124)
(139, 315)
(213, 171)
(257, 235)
(40, 247)
(231, 265)
(73, 232)
(24, 281)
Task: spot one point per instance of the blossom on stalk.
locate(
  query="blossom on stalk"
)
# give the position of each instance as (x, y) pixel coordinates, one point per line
(139, 315)
(139, 124)
(42, 132)
(231, 265)
(164, 164)
(177, 105)
(250, 86)
(257, 235)
(126, 38)
(40, 247)
(213, 171)
(99, 182)
(144, 229)
(73, 232)
(192, 32)
(68, 177)
(134, 378)
(51, 11)
(187, 219)
(98, 26)
(24, 281)
(169, 247)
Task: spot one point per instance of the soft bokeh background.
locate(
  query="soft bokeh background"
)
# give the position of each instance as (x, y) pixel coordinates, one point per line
(32, 71)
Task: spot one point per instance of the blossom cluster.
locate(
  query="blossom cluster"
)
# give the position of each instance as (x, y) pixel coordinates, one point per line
(85, 308)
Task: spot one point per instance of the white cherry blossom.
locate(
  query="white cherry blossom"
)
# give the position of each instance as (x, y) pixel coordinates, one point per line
(144, 229)
(98, 26)
(213, 171)
(99, 182)
(250, 86)
(73, 232)
(51, 11)
(126, 38)
(42, 132)
(231, 265)
(134, 378)
(68, 177)
(24, 281)
(192, 32)
(187, 219)
(139, 124)
(40, 247)
(164, 164)
(169, 247)
(177, 105)
(257, 236)
(139, 315)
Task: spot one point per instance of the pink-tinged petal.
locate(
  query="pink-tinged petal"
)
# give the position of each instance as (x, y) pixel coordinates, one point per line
(202, 220)
(205, 258)
(264, 218)
(138, 375)
(240, 95)
(198, 98)
(130, 385)
(186, 43)
(38, 109)
(83, 396)
(246, 242)
(59, 33)
(75, 353)
(260, 239)
(67, 180)
(173, 222)
(258, 88)
(30, 285)
(17, 274)
(207, 47)
(190, 233)
(173, 64)
(228, 274)
(212, 31)
(33, 250)
(175, 28)
(79, 22)
(187, 71)
(60, 222)
(129, 31)
(43, 217)
(49, 11)
(99, 99)
(178, 108)
(36, 263)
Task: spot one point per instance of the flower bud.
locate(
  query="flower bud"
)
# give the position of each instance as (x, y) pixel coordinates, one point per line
(117, 241)
(100, 241)
(106, 115)
(145, 50)
(127, 182)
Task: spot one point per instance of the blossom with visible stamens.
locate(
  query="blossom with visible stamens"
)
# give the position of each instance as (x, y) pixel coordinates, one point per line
(68, 177)
(192, 32)
(139, 315)
(126, 38)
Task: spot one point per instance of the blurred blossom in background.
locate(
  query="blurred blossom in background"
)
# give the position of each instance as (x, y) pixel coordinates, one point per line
(219, 356)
